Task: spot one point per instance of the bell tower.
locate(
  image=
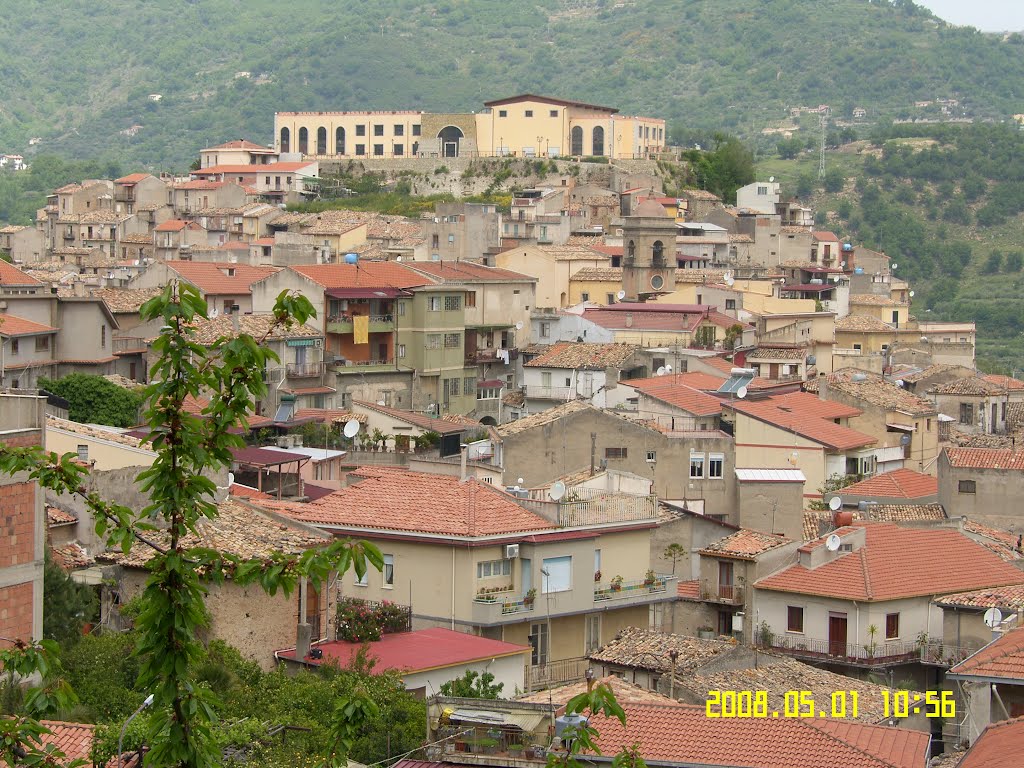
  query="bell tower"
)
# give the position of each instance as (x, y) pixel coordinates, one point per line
(648, 253)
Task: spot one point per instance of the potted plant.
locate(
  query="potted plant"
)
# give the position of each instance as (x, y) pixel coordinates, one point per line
(597, 576)
(617, 584)
(649, 578)
(706, 632)
(515, 750)
(529, 597)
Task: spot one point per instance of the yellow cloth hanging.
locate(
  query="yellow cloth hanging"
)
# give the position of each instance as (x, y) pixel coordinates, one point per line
(361, 329)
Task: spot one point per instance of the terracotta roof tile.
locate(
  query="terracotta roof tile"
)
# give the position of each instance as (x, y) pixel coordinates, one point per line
(805, 418)
(597, 274)
(73, 739)
(688, 590)
(244, 144)
(253, 168)
(668, 390)
(640, 648)
(1002, 658)
(591, 357)
(111, 435)
(1003, 382)
(896, 563)
(898, 484)
(814, 520)
(366, 274)
(221, 278)
(873, 389)
(917, 375)
(414, 502)
(455, 272)
(126, 300)
(999, 746)
(209, 330)
(1009, 597)
(55, 517)
(863, 324)
(421, 420)
(874, 300)
(132, 178)
(12, 325)
(625, 693)
(10, 275)
(745, 544)
(71, 556)
(700, 194)
(985, 458)
(969, 385)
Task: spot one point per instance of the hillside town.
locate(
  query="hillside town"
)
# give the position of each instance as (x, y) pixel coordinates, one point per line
(668, 443)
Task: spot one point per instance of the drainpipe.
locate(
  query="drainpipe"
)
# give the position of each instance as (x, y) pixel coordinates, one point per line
(303, 631)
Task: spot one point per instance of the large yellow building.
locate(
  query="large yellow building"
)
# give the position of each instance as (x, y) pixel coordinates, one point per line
(521, 126)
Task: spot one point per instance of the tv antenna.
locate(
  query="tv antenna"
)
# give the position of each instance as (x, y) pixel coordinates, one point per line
(351, 428)
(557, 491)
(833, 542)
(993, 618)
(835, 503)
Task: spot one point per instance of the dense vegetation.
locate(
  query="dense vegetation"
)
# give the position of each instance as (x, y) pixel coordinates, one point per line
(945, 201)
(80, 76)
(94, 400)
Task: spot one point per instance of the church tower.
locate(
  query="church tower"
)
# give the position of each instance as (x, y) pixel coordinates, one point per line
(648, 253)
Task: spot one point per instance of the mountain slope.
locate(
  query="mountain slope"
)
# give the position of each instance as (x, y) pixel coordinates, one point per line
(80, 74)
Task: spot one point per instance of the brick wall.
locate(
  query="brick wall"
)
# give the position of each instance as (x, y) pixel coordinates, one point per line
(17, 524)
(16, 611)
(24, 440)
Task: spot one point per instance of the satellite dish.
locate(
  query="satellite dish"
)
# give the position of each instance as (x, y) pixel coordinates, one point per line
(557, 490)
(833, 542)
(351, 428)
(730, 280)
(620, 295)
(899, 383)
(519, 325)
(520, 481)
(895, 265)
(993, 618)
(741, 392)
(911, 294)
(668, 369)
(661, 371)
(771, 178)
(835, 503)
(381, 402)
(842, 263)
(231, 479)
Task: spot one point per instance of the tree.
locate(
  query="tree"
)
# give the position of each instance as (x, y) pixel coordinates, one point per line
(69, 605)
(179, 725)
(674, 552)
(473, 685)
(832, 484)
(94, 400)
(732, 334)
(834, 180)
(993, 263)
(726, 168)
(1014, 261)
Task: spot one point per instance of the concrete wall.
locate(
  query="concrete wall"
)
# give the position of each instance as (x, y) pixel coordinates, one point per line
(995, 498)
(107, 454)
(772, 507)
(507, 670)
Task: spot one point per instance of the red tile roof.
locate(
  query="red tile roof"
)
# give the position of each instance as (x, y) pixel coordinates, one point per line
(745, 544)
(999, 746)
(1011, 597)
(132, 178)
(1005, 382)
(201, 184)
(898, 484)
(365, 274)
(579, 355)
(692, 379)
(806, 416)
(172, 225)
(466, 272)
(688, 590)
(684, 735)
(668, 390)
(421, 420)
(414, 502)
(221, 278)
(55, 517)
(418, 651)
(247, 492)
(242, 144)
(985, 458)
(12, 325)
(11, 275)
(1003, 658)
(897, 563)
(824, 235)
(73, 739)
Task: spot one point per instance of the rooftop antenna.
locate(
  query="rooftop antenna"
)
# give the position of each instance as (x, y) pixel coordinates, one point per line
(557, 491)
(835, 503)
(833, 542)
(351, 428)
(993, 618)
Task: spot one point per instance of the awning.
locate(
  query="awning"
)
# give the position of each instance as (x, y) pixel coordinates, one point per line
(525, 721)
(365, 293)
(901, 427)
(301, 342)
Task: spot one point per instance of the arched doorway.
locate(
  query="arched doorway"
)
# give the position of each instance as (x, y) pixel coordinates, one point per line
(598, 141)
(339, 141)
(321, 141)
(450, 137)
(304, 141)
(576, 142)
(286, 140)
(489, 421)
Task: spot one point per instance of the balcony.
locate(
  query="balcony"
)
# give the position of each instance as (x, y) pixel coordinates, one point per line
(501, 608)
(549, 393)
(304, 370)
(934, 653)
(540, 676)
(727, 594)
(378, 324)
(634, 592)
(866, 655)
(129, 345)
(489, 355)
(357, 367)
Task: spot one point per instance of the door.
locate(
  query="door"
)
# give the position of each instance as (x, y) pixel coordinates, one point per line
(837, 634)
(382, 352)
(725, 582)
(526, 566)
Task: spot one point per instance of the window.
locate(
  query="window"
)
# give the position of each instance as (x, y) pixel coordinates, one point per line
(14, 346)
(538, 640)
(967, 486)
(378, 129)
(597, 561)
(794, 619)
(716, 465)
(42, 343)
(415, 130)
(103, 335)
(652, 457)
(610, 298)
(966, 413)
(434, 304)
(490, 568)
(584, 296)
(556, 574)
(593, 633)
(360, 149)
(545, 330)
(545, 378)
(378, 150)
(697, 465)
(553, 113)
(360, 130)
(892, 626)
(399, 129)
(452, 340)
(398, 150)
(468, 385)
(730, 303)
(388, 572)
(83, 453)
(401, 350)
(615, 453)
(453, 387)
(401, 309)
(857, 347)
(762, 190)
(433, 341)
(471, 298)
(452, 303)
(502, 113)
(528, 113)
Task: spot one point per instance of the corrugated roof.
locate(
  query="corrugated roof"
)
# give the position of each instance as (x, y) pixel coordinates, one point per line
(757, 475)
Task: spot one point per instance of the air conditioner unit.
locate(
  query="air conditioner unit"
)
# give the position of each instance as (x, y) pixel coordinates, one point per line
(511, 551)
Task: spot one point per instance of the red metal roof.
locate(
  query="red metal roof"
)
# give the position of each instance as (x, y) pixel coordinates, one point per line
(898, 484)
(897, 563)
(999, 746)
(419, 651)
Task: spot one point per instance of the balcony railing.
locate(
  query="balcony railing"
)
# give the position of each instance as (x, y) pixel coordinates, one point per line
(304, 370)
(730, 594)
(554, 673)
(549, 393)
(363, 366)
(935, 653)
(632, 589)
(496, 608)
(489, 355)
(126, 345)
(376, 323)
(867, 654)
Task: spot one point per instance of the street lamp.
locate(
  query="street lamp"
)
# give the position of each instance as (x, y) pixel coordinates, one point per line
(120, 738)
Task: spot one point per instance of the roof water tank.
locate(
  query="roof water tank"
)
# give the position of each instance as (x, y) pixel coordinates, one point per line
(351, 258)
(843, 519)
(847, 247)
(858, 270)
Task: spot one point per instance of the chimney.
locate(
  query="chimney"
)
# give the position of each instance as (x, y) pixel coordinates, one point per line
(234, 322)
(823, 387)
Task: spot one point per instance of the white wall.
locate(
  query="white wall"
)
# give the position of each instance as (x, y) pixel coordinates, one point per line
(509, 670)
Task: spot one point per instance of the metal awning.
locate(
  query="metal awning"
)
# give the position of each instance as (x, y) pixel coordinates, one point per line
(524, 721)
(901, 427)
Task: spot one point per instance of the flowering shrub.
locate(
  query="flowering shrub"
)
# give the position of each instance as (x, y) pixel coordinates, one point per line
(363, 621)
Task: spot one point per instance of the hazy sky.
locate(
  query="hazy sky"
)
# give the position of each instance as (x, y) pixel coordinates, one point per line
(986, 15)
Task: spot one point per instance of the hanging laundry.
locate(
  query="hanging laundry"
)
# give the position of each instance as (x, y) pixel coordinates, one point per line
(361, 329)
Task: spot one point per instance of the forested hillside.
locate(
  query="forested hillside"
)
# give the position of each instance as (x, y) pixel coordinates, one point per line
(79, 74)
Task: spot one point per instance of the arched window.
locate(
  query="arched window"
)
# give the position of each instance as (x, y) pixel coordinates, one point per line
(598, 141)
(304, 141)
(576, 145)
(286, 140)
(630, 252)
(658, 253)
(339, 141)
(450, 136)
(321, 141)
